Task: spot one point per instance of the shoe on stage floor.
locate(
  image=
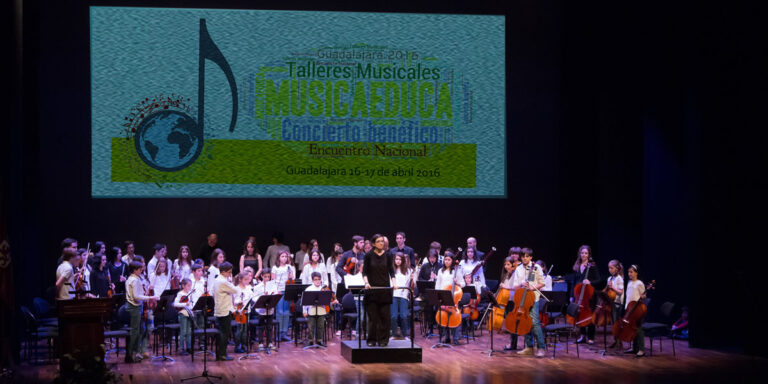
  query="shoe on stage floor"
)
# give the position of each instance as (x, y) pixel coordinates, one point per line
(640, 354)
(629, 351)
(528, 351)
(580, 340)
(370, 344)
(541, 352)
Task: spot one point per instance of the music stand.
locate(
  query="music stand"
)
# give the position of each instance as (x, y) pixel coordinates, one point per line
(165, 301)
(268, 302)
(292, 292)
(203, 303)
(493, 304)
(439, 297)
(357, 290)
(248, 355)
(315, 299)
(423, 286)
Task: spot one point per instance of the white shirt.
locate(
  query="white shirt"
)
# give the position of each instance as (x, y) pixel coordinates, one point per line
(402, 281)
(306, 274)
(444, 279)
(223, 293)
(160, 283)
(65, 269)
(151, 266)
(314, 310)
(466, 266)
(213, 274)
(184, 271)
(618, 281)
(178, 304)
(198, 288)
(547, 283)
(635, 289)
(244, 295)
(521, 275)
(335, 277)
(281, 275)
(268, 288)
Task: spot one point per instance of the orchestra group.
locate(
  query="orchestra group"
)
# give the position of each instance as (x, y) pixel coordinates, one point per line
(389, 275)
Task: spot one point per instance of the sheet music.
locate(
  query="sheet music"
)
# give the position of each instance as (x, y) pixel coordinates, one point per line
(353, 280)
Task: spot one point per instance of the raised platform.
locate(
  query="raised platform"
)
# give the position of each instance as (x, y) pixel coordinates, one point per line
(397, 351)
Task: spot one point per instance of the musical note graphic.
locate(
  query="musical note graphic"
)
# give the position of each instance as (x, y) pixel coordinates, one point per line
(170, 140)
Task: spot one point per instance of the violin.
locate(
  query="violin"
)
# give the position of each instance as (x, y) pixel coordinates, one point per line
(349, 266)
(518, 320)
(626, 329)
(110, 291)
(333, 298)
(240, 316)
(175, 282)
(584, 293)
(185, 299)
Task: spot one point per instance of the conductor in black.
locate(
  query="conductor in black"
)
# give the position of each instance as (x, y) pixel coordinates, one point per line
(378, 272)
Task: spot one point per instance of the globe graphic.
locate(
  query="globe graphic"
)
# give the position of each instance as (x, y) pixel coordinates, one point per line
(168, 140)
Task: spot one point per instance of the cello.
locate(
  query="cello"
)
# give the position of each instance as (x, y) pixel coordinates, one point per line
(605, 300)
(626, 329)
(518, 320)
(449, 316)
(502, 298)
(584, 293)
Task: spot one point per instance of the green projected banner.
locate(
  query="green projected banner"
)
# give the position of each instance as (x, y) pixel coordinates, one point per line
(236, 103)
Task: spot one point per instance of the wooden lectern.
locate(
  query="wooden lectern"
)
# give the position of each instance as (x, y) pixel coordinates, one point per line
(81, 329)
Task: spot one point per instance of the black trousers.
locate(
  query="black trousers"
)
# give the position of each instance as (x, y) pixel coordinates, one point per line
(224, 325)
(589, 331)
(379, 321)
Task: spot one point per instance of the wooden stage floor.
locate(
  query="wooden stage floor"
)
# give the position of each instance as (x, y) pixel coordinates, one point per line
(463, 364)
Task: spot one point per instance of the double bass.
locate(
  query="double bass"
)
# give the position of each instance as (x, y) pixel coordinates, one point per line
(518, 320)
(626, 329)
(582, 293)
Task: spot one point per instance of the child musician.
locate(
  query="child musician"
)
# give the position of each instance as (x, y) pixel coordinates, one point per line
(184, 304)
(520, 281)
(616, 283)
(468, 265)
(635, 292)
(65, 275)
(266, 287)
(315, 313)
(507, 278)
(400, 300)
(135, 297)
(315, 264)
(243, 297)
(446, 279)
(223, 294)
(283, 272)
